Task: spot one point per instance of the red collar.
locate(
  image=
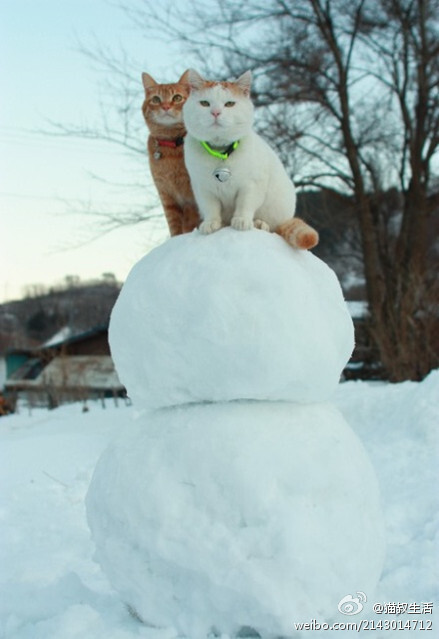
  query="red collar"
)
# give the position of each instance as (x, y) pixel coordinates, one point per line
(171, 143)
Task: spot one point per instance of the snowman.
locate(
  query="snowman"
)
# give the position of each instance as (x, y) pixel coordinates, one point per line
(239, 502)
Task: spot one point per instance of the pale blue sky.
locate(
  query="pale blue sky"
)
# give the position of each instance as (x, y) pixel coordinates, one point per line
(44, 77)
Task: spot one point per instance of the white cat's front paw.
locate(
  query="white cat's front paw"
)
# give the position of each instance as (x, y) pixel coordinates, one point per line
(211, 226)
(241, 224)
(260, 224)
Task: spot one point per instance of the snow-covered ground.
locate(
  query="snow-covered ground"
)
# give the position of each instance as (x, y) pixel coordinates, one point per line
(52, 589)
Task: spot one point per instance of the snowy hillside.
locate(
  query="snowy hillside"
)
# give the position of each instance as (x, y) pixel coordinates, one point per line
(52, 589)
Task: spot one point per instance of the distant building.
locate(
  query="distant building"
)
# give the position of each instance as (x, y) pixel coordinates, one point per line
(68, 367)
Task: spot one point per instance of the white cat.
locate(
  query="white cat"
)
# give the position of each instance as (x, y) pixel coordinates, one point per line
(236, 177)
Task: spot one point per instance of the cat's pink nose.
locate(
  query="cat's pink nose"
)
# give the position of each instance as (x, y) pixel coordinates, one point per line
(215, 112)
(166, 106)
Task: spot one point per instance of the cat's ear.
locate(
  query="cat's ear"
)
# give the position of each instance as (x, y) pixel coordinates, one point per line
(244, 82)
(194, 78)
(148, 81)
(185, 77)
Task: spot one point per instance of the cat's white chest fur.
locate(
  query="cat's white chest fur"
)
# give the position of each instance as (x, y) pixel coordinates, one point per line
(257, 189)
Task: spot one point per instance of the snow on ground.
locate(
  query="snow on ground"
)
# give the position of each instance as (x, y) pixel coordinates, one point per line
(399, 426)
(52, 589)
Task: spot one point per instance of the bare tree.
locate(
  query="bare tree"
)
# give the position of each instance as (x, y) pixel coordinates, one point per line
(349, 92)
(120, 124)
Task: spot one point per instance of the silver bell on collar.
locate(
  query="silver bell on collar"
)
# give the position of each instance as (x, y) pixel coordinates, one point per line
(222, 174)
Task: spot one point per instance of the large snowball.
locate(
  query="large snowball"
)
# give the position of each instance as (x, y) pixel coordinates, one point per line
(232, 315)
(241, 514)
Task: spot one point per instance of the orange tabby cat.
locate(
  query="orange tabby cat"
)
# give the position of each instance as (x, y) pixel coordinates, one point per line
(162, 110)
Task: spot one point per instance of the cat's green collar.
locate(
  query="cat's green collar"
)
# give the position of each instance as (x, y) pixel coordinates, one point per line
(218, 154)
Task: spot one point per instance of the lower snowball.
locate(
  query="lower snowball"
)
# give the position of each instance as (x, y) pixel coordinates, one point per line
(243, 514)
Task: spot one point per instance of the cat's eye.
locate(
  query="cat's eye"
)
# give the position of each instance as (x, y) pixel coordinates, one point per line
(230, 103)
(204, 103)
(177, 98)
(156, 99)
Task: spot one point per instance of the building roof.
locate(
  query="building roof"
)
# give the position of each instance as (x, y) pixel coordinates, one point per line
(61, 336)
(67, 336)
